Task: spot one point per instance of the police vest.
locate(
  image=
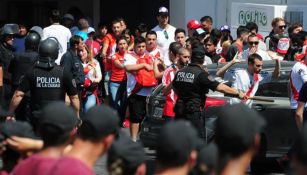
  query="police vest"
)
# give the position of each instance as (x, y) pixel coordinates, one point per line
(6, 56)
(187, 85)
(22, 63)
(47, 85)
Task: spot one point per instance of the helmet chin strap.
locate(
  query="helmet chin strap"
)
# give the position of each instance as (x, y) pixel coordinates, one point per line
(45, 63)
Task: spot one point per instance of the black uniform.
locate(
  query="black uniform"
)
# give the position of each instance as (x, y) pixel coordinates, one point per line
(20, 65)
(6, 55)
(72, 63)
(46, 85)
(191, 85)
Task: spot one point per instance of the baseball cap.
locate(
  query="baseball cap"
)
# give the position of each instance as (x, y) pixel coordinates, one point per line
(207, 158)
(283, 45)
(90, 30)
(98, 122)
(38, 30)
(193, 24)
(200, 32)
(225, 28)
(236, 128)
(59, 115)
(198, 52)
(176, 141)
(301, 147)
(16, 128)
(131, 153)
(68, 16)
(163, 11)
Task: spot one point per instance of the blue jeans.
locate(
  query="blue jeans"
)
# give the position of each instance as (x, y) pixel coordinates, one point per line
(90, 101)
(118, 97)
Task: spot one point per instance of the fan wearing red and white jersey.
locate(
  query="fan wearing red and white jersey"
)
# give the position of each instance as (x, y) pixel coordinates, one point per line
(136, 99)
(151, 45)
(298, 77)
(248, 80)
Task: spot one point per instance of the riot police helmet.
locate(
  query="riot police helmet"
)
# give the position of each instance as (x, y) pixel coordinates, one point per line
(49, 48)
(10, 29)
(32, 40)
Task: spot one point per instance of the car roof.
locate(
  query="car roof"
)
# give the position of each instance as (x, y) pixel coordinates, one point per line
(267, 65)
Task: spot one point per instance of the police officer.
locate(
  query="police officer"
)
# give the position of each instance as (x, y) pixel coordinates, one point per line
(47, 82)
(6, 55)
(191, 85)
(23, 62)
(71, 60)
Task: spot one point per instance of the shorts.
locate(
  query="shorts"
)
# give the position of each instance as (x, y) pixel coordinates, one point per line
(137, 108)
(107, 76)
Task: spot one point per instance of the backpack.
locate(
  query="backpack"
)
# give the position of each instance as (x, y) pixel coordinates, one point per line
(143, 77)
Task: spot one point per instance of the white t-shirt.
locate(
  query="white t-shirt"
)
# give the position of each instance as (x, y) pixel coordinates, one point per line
(298, 77)
(91, 73)
(242, 80)
(164, 40)
(62, 34)
(130, 59)
(264, 54)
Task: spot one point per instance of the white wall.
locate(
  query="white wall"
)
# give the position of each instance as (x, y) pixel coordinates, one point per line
(220, 10)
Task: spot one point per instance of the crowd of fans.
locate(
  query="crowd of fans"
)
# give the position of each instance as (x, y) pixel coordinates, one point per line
(120, 68)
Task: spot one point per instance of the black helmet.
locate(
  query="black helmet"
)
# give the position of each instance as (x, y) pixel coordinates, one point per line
(10, 29)
(49, 48)
(32, 40)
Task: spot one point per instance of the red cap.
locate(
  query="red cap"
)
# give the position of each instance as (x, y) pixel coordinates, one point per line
(193, 24)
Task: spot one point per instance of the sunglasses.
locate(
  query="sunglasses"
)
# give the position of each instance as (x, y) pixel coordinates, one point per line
(258, 65)
(252, 43)
(165, 34)
(282, 27)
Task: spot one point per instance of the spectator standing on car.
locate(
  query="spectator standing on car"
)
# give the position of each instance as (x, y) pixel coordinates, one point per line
(61, 33)
(118, 79)
(165, 33)
(176, 149)
(107, 51)
(248, 80)
(94, 137)
(240, 44)
(168, 76)
(237, 137)
(191, 85)
(253, 47)
(57, 127)
(137, 94)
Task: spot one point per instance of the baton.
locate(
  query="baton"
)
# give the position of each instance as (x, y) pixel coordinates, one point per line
(261, 99)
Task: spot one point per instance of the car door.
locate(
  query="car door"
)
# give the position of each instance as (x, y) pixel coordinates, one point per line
(281, 129)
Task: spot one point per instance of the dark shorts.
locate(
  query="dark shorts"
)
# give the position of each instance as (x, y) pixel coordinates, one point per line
(137, 108)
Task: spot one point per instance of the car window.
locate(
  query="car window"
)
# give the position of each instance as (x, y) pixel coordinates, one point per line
(275, 88)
